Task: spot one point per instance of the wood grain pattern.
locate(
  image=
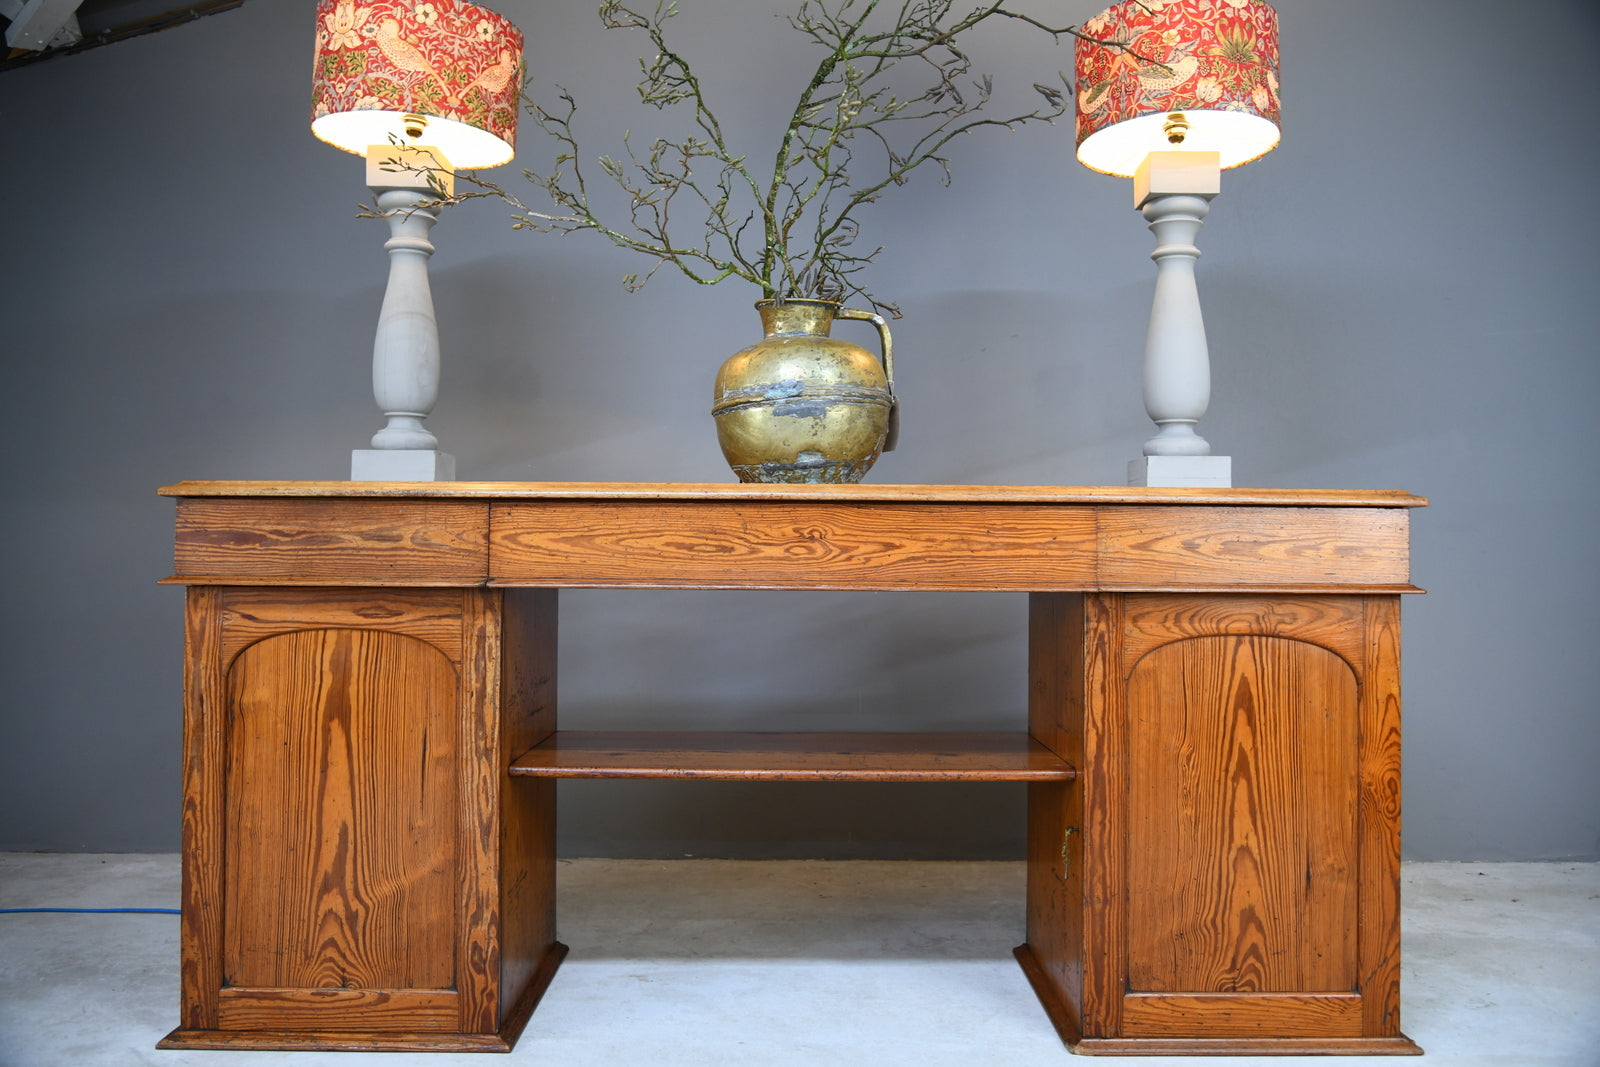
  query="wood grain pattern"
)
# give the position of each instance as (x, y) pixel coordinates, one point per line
(520, 1009)
(1055, 672)
(337, 1040)
(869, 493)
(1053, 957)
(478, 809)
(250, 614)
(205, 761)
(1059, 1004)
(529, 952)
(343, 1009)
(953, 538)
(1275, 1015)
(1379, 880)
(331, 542)
(1177, 547)
(793, 757)
(528, 680)
(340, 809)
(1337, 623)
(1241, 818)
(730, 545)
(1104, 783)
(1224, 863)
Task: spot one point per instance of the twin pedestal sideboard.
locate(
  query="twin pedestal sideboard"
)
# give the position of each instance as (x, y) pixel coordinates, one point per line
(1211, 752)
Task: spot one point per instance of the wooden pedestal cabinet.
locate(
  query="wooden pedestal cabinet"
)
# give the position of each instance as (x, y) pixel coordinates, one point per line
(359, 873)
(1223, 875)
(371, 748)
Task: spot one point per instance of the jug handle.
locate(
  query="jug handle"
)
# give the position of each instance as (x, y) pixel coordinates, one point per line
(887, 342)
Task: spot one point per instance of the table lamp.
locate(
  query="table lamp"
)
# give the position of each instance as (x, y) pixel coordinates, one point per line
(420, 89)
(1171, 94)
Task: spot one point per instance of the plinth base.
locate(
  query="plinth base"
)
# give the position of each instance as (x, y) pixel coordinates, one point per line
(1248, 1046)
(1064, 1017)
(1182, 472)
(402, 1041)
(401, 465)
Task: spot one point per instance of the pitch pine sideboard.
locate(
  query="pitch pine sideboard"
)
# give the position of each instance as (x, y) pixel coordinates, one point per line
(1211, 752)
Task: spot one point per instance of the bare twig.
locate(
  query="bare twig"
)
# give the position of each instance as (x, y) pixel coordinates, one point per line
(789, 229)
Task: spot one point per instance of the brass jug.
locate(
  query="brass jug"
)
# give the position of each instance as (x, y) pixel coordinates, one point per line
(801, 406)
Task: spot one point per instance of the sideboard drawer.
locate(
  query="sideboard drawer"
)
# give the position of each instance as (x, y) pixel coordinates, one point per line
(331, 542)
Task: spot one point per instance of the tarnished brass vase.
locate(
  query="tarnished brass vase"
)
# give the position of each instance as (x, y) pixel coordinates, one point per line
(801, 406)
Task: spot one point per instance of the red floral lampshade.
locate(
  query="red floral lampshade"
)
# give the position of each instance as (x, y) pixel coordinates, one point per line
(456, 64)
(1215, 61)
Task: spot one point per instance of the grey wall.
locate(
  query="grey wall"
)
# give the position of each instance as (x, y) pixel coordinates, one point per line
(1403, 295)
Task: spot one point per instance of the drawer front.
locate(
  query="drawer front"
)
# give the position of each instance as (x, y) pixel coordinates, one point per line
(332, 542)
(791, 545)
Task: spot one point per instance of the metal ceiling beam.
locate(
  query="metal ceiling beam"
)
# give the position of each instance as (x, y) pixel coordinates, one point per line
(42, 24)
(148, 16)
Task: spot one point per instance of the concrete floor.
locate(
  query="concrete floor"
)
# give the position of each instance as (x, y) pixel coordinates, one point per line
(700, 962)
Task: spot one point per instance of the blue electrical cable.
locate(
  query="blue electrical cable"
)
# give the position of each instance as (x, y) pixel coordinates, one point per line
(94, 911)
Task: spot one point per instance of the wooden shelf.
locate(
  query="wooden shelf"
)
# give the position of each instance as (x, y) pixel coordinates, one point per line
(794, 757)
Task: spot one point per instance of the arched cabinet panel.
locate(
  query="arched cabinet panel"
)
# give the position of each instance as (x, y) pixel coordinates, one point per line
(1242, 835)
(336, 878)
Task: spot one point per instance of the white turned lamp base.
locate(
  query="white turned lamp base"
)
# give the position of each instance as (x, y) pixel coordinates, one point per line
(1174, 191)
(401, 465)
(408, 182)
(1182, 472)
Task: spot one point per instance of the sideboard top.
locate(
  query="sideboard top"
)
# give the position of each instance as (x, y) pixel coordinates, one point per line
(920, 494)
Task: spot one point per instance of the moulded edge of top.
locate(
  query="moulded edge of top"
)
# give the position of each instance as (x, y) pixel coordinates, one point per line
(715, 491)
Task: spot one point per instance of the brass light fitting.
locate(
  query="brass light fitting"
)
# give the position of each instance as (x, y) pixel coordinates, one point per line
(1177, 128)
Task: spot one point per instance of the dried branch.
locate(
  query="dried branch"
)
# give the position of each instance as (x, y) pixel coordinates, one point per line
(790, 229)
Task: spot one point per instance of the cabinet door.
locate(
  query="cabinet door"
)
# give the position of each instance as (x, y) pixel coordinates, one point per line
(1243, 783)
(1263, 816)
(329, 747)
(339, 868)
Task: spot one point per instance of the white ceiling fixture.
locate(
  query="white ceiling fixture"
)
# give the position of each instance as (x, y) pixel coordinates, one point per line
(40, 24)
